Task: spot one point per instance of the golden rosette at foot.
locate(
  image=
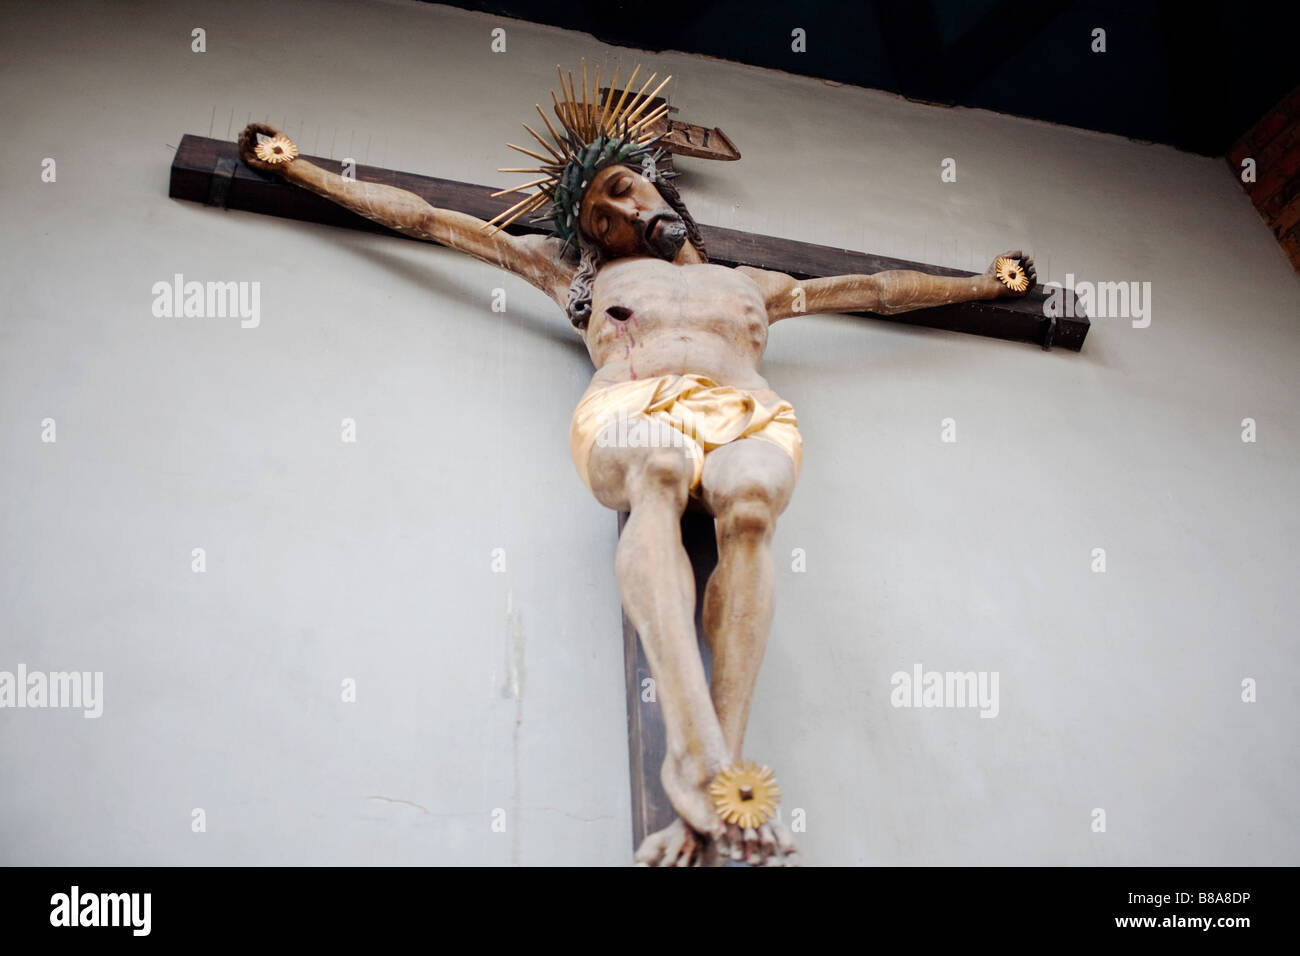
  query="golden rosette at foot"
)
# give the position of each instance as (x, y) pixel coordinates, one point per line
(745, 794)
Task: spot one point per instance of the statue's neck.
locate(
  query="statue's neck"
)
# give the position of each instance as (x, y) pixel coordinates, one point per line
(687, 255)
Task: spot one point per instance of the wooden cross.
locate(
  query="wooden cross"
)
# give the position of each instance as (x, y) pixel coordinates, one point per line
(210, 171)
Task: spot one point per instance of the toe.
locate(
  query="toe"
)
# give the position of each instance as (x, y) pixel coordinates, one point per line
(675, 849)
(650, 852)
(788, 853)
(736, 839)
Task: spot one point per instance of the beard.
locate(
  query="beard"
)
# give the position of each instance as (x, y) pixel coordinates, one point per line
(663, 235)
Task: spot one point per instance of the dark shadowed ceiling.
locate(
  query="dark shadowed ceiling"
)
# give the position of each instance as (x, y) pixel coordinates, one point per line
(1191, 75)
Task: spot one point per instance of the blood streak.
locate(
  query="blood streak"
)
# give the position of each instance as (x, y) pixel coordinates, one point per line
(621, 317)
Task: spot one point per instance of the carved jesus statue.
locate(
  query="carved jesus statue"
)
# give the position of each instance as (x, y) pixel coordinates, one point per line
(676, 343)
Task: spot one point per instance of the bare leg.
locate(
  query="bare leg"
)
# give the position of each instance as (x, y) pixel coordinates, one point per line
(746, 485)
(658, 591)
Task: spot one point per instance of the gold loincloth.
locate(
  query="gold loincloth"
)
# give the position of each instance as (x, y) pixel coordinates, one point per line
(689, 412)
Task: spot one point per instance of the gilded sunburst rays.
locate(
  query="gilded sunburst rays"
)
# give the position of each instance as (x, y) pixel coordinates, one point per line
(1011, 274)
(593, 132)
(275, 149)
(745, 794)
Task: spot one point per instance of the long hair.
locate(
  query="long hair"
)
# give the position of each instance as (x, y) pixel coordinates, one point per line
(591, 256)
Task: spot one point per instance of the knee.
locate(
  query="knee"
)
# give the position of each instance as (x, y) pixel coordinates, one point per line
(665, 472)
(750, 510)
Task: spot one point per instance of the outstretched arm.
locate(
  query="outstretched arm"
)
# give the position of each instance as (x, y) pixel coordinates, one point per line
(535, 258)
(884, 293)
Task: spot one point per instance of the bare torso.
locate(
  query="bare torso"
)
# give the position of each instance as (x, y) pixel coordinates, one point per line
(651, 318)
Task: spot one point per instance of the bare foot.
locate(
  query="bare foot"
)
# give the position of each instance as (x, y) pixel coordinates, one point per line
(769, 845)
(686, 782)
(694, 837)
(699, 838)
(675, 845)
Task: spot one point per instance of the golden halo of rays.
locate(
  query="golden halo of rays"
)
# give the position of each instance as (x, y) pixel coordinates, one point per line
(745, 794)
(1011, 274)
(276, 150)
(582, 116)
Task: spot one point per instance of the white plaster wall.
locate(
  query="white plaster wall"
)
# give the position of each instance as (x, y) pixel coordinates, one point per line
(371, 560)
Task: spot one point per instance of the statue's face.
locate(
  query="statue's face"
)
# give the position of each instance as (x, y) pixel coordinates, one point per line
(624, 213)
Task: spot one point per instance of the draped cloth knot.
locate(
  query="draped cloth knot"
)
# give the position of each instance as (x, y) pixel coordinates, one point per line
(689, 412)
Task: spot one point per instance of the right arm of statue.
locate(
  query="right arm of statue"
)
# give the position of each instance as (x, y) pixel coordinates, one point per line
(534, 258)
(885, 293)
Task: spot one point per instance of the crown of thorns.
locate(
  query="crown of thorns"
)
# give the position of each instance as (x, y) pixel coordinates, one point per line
(594, 135)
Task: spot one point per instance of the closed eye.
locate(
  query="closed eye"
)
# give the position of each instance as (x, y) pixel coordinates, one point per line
(622, 186)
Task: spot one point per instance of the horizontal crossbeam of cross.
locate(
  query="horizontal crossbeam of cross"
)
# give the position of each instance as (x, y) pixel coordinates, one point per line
(210, 171)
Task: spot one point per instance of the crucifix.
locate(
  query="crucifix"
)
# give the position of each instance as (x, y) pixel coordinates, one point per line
(677, 418)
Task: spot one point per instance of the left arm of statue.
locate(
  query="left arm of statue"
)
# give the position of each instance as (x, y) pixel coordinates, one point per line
(884, 293)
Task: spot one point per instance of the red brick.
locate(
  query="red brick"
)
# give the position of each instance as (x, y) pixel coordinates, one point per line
(1289, 217)
(1292, 249)
(1237, 154)
(1272, 124)
(1290, 162)
(1281, 143)
(1272, 207)
(1272, 178)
